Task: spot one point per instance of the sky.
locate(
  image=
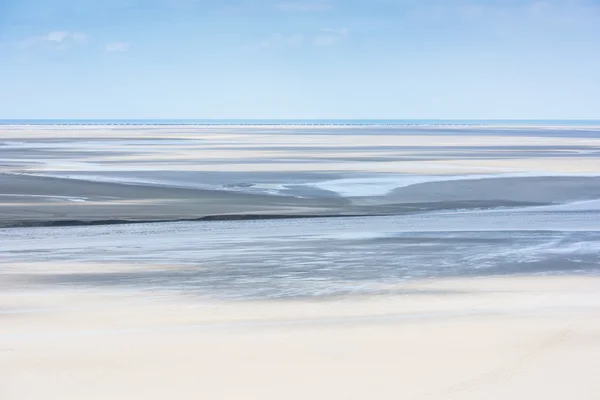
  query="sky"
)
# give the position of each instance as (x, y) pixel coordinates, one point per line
(314, 59)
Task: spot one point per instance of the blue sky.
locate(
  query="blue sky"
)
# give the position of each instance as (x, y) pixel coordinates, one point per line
(300, 59)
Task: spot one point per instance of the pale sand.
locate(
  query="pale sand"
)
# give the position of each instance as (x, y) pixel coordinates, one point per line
(539, 165)
(269, 149)
(275, 136)
(308, 149)
(492, 338)
(543, 165)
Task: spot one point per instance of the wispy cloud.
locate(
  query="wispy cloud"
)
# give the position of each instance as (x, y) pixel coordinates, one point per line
(329, 37)
(64, 36)
(58, 36)
(565, 11)
(118, 47)
(56, 39)
(322, 38)
(280, 40)
(304, 6)
(556, 12)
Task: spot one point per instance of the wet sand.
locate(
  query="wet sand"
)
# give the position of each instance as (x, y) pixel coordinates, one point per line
(42, 201)
(69, 175)
(492, 338)
(38, 201)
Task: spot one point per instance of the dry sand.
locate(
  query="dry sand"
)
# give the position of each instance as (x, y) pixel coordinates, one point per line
(492, 338)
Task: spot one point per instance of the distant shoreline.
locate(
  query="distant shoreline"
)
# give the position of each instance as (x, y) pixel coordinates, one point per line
(299, 123)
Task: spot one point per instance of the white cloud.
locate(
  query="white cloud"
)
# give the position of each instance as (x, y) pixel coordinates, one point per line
(304, 6)
(118, 47)
(279, 40)
(79, 37)
(564, 12)
(56, 39)
(57, 36)
(323, 38)
(329, 37)
(550, 12)
(64, 36)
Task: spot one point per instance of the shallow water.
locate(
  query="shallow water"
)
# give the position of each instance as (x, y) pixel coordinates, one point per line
(313, 257)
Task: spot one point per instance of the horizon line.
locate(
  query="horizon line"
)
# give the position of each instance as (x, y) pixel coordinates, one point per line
(3, 120)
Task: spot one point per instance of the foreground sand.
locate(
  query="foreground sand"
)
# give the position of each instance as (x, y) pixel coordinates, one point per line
(492, 338)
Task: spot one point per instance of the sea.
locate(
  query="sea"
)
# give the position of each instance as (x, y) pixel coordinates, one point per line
(399, 122)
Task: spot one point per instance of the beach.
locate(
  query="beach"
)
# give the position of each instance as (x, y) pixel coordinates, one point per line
(326, 262)
(492, 338)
